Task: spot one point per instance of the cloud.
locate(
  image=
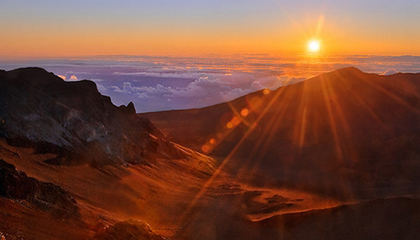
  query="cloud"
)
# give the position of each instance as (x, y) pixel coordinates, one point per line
(116, 89)
(73, 78)
(234, 93)
(271, 82)
(202, 91)
(163, 83)
(101, 88)
(162, 74)
(390, 72)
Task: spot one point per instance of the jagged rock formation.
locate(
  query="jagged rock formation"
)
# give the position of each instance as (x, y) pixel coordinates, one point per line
(47, 196)
(73, 119)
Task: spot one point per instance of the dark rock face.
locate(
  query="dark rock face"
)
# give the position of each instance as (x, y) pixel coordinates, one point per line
(47, 196)
(128, 230)
(39, 109)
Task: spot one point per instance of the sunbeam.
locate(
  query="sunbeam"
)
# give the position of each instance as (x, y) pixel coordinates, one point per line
(227, 159)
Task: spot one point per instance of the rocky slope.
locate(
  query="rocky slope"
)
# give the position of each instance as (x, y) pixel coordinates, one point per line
(72, 119)
(51, 134)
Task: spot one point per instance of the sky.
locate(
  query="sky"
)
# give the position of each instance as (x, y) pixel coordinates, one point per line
(51, 28)
(166, 54)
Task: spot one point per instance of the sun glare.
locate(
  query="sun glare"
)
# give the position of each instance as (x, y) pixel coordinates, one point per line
(314, 46)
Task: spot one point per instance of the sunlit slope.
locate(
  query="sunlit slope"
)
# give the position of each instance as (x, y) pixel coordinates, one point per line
(345, 133)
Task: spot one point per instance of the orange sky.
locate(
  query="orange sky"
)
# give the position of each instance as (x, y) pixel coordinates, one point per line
(49, 29)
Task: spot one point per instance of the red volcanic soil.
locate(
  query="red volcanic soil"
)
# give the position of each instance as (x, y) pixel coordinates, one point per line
(161, 194)
(21, 220)
(156, 193)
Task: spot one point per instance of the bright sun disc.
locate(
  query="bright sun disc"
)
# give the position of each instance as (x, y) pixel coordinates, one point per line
(313, 46)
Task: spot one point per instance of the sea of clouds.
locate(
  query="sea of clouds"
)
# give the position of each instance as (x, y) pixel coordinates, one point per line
(165, 83)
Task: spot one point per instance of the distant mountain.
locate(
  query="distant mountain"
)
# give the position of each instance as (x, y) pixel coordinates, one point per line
(73, 119)
(344, 133)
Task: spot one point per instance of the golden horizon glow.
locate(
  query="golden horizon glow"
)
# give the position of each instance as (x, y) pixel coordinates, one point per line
(185, 43)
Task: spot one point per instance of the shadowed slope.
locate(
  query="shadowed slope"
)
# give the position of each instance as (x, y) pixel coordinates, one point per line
(394, 218)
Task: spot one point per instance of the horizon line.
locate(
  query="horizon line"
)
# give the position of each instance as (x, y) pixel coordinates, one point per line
(6, 58)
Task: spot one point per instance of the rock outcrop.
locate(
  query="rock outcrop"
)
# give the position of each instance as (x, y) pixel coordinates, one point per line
(128, 230)
(72, 119)
(47, 196)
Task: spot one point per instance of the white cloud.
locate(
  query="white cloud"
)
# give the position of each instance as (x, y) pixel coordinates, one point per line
(179, 74)
(101, 88)
(256, 85)
(203, 91)
(390, 72)
(116, 89)
(271, 82)
(234, 93)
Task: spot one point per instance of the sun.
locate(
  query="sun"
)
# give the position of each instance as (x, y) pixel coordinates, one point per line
(314, 46)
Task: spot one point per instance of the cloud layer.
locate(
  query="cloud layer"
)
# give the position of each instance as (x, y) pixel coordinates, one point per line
(164, 83)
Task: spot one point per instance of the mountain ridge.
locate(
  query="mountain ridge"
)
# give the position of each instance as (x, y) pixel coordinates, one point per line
(75, 166)
(344, 124)
(74, 120)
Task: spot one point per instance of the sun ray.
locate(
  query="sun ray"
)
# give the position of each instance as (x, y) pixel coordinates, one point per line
(391, 95)
(264, 141)
(227, 159)
(345, 185)
(338, 109)
(302, 130)
(363, 103)
(300, 126)
(332, 123)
